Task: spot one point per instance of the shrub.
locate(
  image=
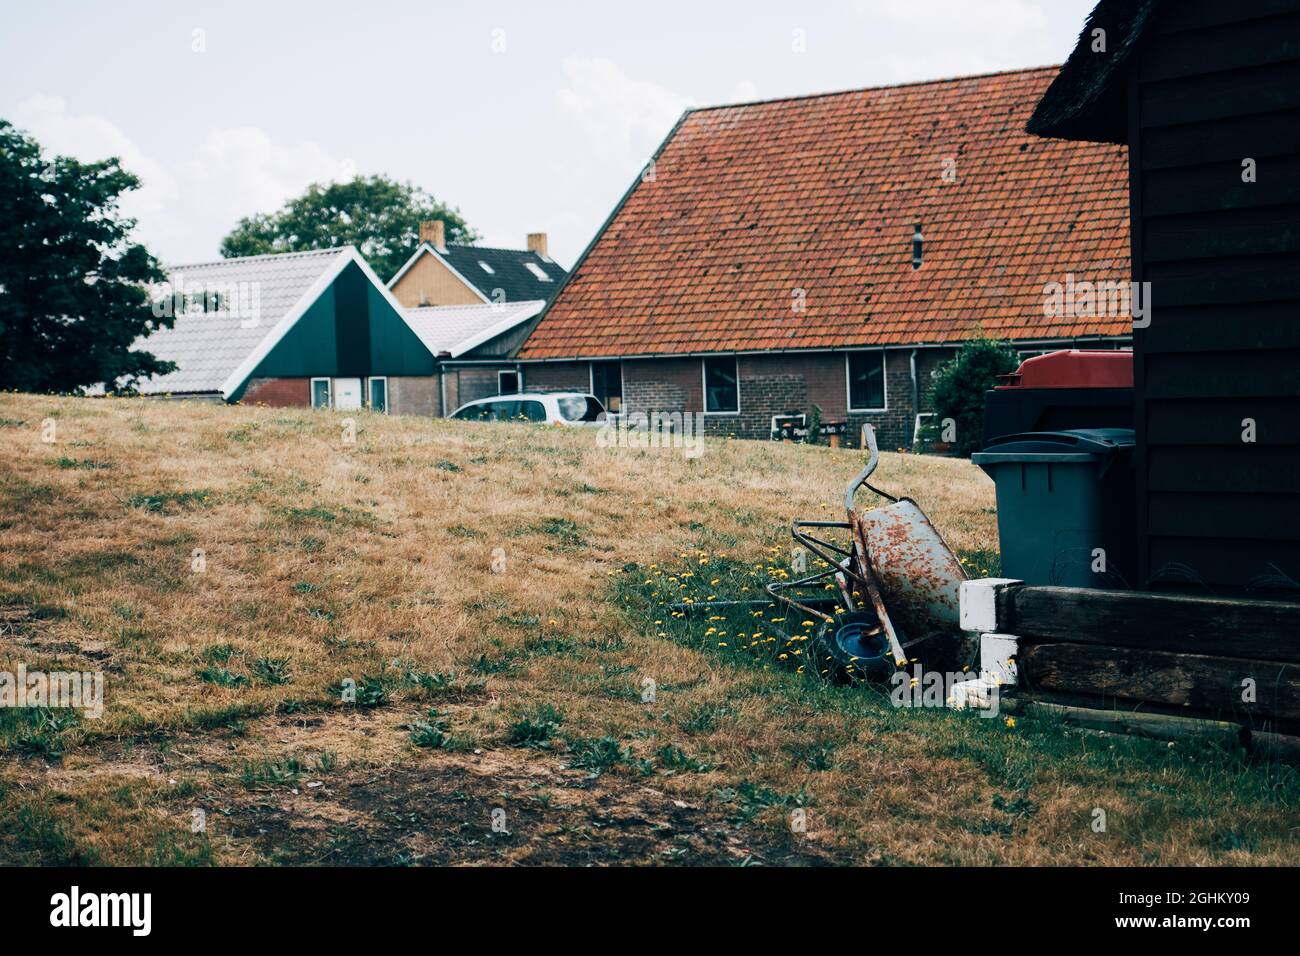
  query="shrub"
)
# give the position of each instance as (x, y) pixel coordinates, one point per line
(959, 387)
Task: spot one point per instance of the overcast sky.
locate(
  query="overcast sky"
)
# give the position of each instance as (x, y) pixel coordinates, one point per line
(527, 116)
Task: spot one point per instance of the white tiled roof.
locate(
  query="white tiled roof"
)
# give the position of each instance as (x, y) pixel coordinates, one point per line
(459, 328)
(208, 347)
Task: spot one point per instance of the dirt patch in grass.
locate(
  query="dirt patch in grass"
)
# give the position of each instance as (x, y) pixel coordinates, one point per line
(444, 814)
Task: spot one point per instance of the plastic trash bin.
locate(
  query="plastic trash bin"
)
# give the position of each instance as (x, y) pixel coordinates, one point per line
(1066, 506)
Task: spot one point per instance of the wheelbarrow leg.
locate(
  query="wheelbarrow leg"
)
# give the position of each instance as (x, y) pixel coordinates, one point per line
(868, 577)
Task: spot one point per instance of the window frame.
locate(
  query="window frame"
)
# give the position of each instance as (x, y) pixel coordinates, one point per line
(848, 382)
(370, 395)
(591, 383)
(519, 380)
(704, 384)
(329, 392)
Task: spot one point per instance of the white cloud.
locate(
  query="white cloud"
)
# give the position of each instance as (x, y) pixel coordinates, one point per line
(185, 208)
(609, 126)
(622, 119)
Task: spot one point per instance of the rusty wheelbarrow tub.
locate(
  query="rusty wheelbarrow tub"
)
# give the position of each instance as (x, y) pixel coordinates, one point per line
(897, 583)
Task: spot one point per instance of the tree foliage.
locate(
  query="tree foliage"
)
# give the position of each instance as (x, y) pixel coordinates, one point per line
(378, 215)
(73, 286)
(959, 387)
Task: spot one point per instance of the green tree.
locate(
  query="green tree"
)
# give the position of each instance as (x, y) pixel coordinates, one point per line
(959, 387)
(73, 286)
(378, 215)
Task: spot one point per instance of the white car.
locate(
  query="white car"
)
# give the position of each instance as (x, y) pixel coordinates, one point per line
(552, 408)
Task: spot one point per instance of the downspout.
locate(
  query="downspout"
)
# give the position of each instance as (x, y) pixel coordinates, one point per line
(916, 398)
(442, 385)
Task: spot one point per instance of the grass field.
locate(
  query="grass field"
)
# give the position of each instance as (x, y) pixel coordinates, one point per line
(322, 652)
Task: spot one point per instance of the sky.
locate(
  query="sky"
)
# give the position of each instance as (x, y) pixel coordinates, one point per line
(527, 117)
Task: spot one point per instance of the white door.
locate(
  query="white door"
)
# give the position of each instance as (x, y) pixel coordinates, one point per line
(347, 394)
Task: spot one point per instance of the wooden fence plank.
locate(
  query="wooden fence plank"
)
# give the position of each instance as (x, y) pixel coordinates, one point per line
(1223, 627)
(1209, 684)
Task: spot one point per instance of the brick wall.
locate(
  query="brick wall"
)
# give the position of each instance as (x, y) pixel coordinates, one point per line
(415, 395)
(662, 385)
(557, 377)
(278, 392)
(775, 385)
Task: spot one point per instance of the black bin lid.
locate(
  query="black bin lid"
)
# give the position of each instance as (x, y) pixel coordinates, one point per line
(1072, 445)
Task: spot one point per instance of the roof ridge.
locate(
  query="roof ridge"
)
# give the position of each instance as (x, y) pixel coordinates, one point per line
(466, 245)
(871, 89)
(305, 253)
(510, 303)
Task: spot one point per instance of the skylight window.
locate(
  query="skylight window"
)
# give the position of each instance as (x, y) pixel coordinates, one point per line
(486, 268)
(538, 271)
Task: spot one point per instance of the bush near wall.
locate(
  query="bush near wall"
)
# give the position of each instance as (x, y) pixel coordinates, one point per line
(960, 384)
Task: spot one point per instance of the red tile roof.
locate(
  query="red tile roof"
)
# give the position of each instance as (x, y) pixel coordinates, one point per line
(821, 193)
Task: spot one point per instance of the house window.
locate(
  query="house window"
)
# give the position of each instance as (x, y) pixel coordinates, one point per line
(507, 383)
(866, 371)
(320, 393)
(487, 268)
(537, 271)
(379, 393)
(721, 388)
(607, 385)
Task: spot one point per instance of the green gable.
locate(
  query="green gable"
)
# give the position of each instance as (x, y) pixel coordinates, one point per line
(351, 331)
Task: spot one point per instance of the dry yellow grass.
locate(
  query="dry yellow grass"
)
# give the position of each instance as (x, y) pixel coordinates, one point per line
(327, 562)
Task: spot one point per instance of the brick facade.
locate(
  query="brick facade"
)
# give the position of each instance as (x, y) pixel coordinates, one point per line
(415, 395)
(278, 392)
(557, 377)
(772, 384)
(777, 384)
(407, 395)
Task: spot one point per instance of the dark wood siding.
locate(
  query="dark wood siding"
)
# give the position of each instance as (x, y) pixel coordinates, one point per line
(1215, 84)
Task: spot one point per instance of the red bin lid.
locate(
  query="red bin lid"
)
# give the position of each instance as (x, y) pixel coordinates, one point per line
(1074, 368)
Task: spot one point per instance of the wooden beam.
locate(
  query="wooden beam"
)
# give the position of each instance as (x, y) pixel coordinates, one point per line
(1142, 724)
(1218, 627)
(1212, 684)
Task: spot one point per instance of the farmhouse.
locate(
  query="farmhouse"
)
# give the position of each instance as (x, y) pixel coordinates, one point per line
(299, 328)
(1207, 98)
(439, 273)
(316, 329)
(832, 251)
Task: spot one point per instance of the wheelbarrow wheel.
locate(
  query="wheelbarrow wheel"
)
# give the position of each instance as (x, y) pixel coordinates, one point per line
(852, 649)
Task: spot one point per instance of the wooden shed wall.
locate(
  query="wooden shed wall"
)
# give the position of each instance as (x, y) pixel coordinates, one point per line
(1214, 84)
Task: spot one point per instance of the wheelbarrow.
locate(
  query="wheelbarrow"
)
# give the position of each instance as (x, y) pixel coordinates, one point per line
(896, 583)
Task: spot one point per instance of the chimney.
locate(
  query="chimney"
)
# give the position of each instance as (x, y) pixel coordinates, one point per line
(537, 243)
(433, 231)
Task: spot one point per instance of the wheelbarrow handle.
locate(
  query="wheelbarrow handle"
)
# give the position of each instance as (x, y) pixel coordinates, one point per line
(869, 433)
